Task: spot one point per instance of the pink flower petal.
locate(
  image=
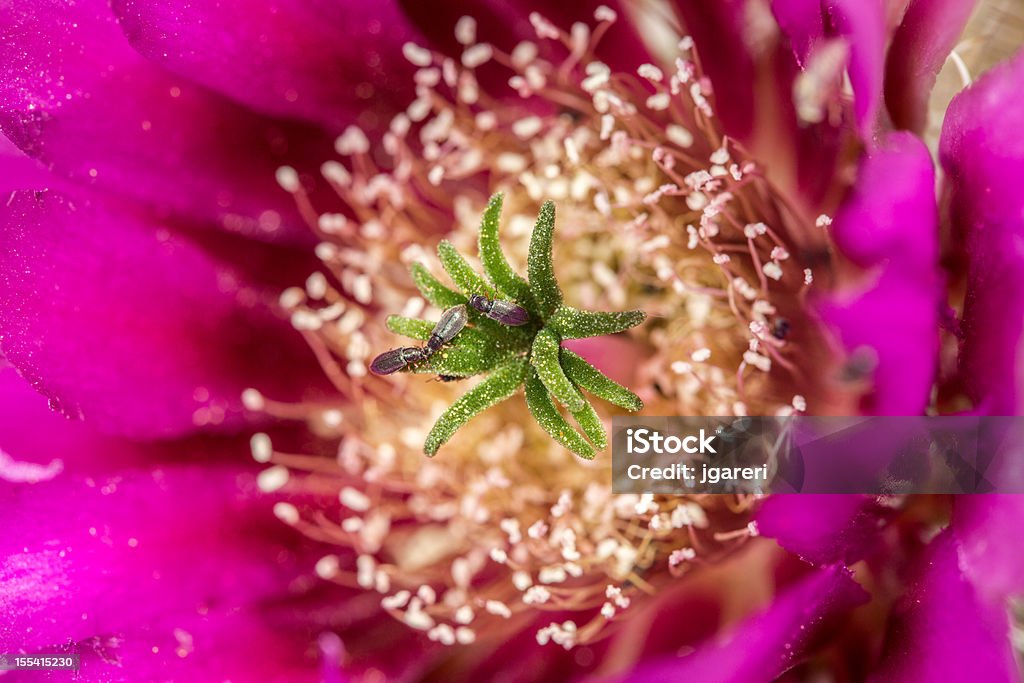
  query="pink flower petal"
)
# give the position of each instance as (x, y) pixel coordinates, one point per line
(982, 152)
(862, 24)
(333, 63)
(764, 646)
(920, 46)
(801, 21)
(136, 556)
(944, 631)
(888, 226)
(720, 31)
(984, 526)
(136, 330)
(753, 74)
(821, 529)
(76, 96)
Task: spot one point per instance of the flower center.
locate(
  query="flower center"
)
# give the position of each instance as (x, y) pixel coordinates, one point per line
(658, 210)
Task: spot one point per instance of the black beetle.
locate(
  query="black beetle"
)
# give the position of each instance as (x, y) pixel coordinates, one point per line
(505, 312)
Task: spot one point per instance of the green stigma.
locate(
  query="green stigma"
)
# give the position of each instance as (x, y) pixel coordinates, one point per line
(529, 355)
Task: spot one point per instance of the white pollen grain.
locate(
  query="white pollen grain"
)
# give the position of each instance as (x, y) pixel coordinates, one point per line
(477, 56)
(544, 28)
(659, 102)
(427, 594)
(680, 367)
(720, 156)
(498, 608)
(521, 580)
(261, 447)
(327, 567)
(417, 56)
(354, 499)
(252, 399)
(303, 319)
(435, 175)
(272, 478)
(332, 418)
(762, 363)
(419, 620)
(418, 109)
(352, 141)
(362, 289)
(486, 120)
(291, 297)
(336, 173)
(288, 178)
(527, 127)
(465, 30)
(772, 270)
(332, 223)
(679, 135)
(396, 601)
(701, 355)
(316, 285)
(286, 512)
(524, 53)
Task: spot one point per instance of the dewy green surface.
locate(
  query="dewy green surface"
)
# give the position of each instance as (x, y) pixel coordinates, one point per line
(547, 416)
(539, 266)
(545, 360)
(572, 323)
(513, 356)
(495, 264)
(498, 386)
(433, 290)
(586, 376)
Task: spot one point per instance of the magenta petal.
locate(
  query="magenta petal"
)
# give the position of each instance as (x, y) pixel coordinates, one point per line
(944, 631)
(929, 30)
(766, 645)
(20, 172)
(720, 32)
(219, 645)
(76, 96)
(862, 24)
(984, 526)
(328, 62)
(982, 152)
(801, 21)
(135, 555)
(888, 225)
(820, 529)
(129, 327)
(892, 323)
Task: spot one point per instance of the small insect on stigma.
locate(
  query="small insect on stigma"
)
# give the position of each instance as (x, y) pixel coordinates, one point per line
(451, 323)
(505, 312)
(396, 359)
